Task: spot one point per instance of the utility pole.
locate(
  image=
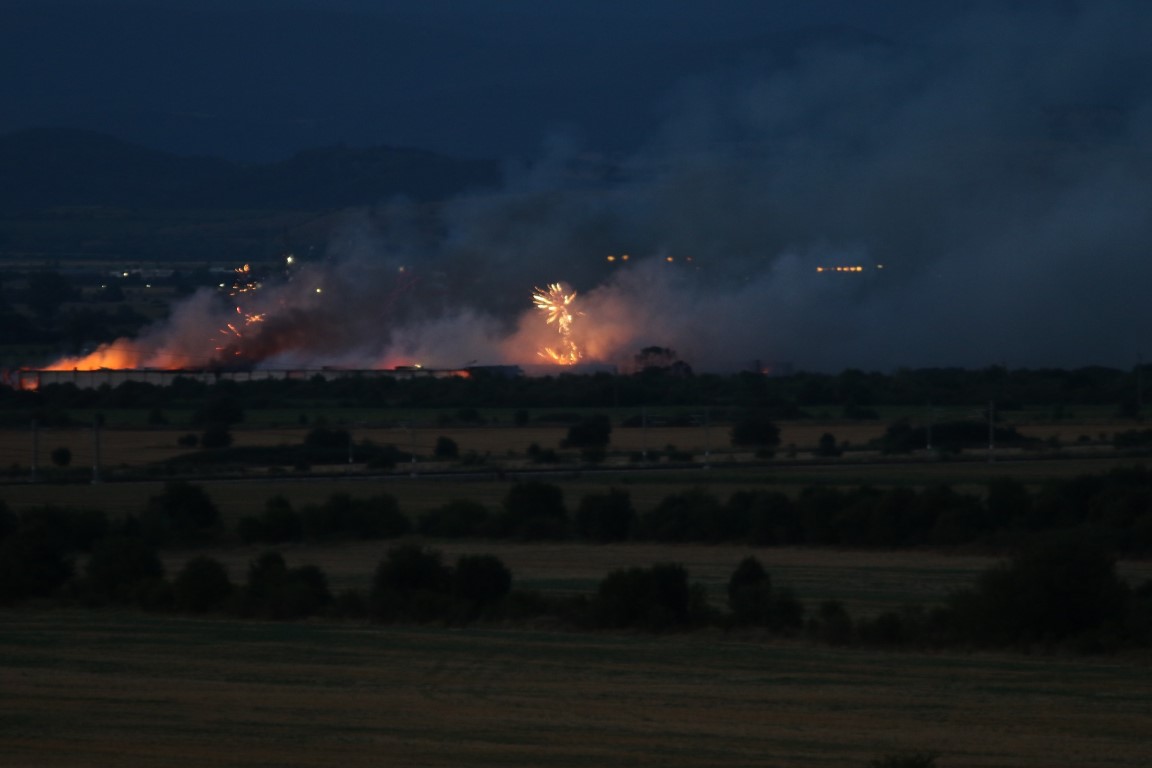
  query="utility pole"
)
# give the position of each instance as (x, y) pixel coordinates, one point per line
(412, 443)
(991, 431)
(707, 436)
(644, 431)
(96, 420)
(35, 449)
(928, 429)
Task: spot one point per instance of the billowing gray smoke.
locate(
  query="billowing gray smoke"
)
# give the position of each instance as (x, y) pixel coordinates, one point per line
(996, 163)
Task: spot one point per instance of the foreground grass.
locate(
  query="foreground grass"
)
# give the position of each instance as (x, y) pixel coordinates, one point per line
(99, 689)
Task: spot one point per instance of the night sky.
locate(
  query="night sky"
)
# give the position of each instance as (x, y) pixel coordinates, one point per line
(994, 157)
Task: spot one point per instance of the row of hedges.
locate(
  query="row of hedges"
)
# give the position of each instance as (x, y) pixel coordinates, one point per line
(1059, 593)
(1116, 506)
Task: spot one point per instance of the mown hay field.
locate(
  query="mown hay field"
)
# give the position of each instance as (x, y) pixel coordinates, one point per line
(138, 446)
(137, 691)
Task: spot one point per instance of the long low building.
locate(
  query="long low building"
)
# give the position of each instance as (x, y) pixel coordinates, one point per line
(32, 379)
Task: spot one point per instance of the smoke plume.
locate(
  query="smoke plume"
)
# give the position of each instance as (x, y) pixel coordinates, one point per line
(989, 173)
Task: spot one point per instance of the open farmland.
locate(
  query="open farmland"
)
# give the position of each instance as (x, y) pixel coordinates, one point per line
(102, 689)
(106, 688)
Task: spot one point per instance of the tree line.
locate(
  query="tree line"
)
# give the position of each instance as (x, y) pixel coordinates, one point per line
(1059, 592)
(850, 394)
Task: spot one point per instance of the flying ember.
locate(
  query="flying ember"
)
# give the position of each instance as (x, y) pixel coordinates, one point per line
(555, 303)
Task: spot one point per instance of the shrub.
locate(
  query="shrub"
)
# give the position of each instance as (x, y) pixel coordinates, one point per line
(202, 585)
(183, 514)
(1055, 590)
(590, 432)
(689, 516)
(410, 583)
(753, 601)
(756, 429)
(377, 517)
(446, 448)
(456, 519)
(121, 569)
(606, 516)
(216, 436)
(480, 581)
(276, 592)
(750, 593)
(655, 599)
(534, 510)
(31, 565)
(832, 624)
(61, 456)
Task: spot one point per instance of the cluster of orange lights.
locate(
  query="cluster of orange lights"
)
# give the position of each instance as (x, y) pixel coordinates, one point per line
(621, 257)
(843, 269)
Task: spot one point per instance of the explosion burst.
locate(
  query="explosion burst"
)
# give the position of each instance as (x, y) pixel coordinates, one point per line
(242, 284)
(554, 303)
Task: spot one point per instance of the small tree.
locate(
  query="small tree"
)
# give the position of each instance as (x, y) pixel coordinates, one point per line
(216, 436)
(534, 510)
(122, 569)
(62, 456)
(446, 448)
(655, 598)
(410, 583)
(750, 593)
(755, 429)
(827, 446)
(202, 585)
(182, 514)
(479, 581)
(591, 432)
(606, 516)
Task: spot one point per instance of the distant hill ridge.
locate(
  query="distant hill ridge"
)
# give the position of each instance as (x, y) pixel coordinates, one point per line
(53, 167)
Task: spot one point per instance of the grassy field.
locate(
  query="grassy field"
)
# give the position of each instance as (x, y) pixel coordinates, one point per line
(127, 690)
(102, 689)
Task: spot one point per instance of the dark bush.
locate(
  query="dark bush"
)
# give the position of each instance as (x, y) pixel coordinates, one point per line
(123, 569)
(534, 510)
(376, 517)
(223, 409)
(202, 585)
(276, 592)
(1057, 589)
(754, 602)
(183, 515)
(693, 515)
(456, 519)
(756, 429)
(411, 583)
(215, 436)
(480, 581)
(590, 432)
(61, 456)
(446, 448)
(831, 624)
(606, 516)
(750, 593)
(654, 599)
(31, 565)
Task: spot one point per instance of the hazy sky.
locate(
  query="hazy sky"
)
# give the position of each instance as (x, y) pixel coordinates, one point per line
(995, 158)
(261, 79)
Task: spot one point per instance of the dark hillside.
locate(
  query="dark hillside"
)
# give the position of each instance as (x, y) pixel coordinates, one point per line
(51, 168)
